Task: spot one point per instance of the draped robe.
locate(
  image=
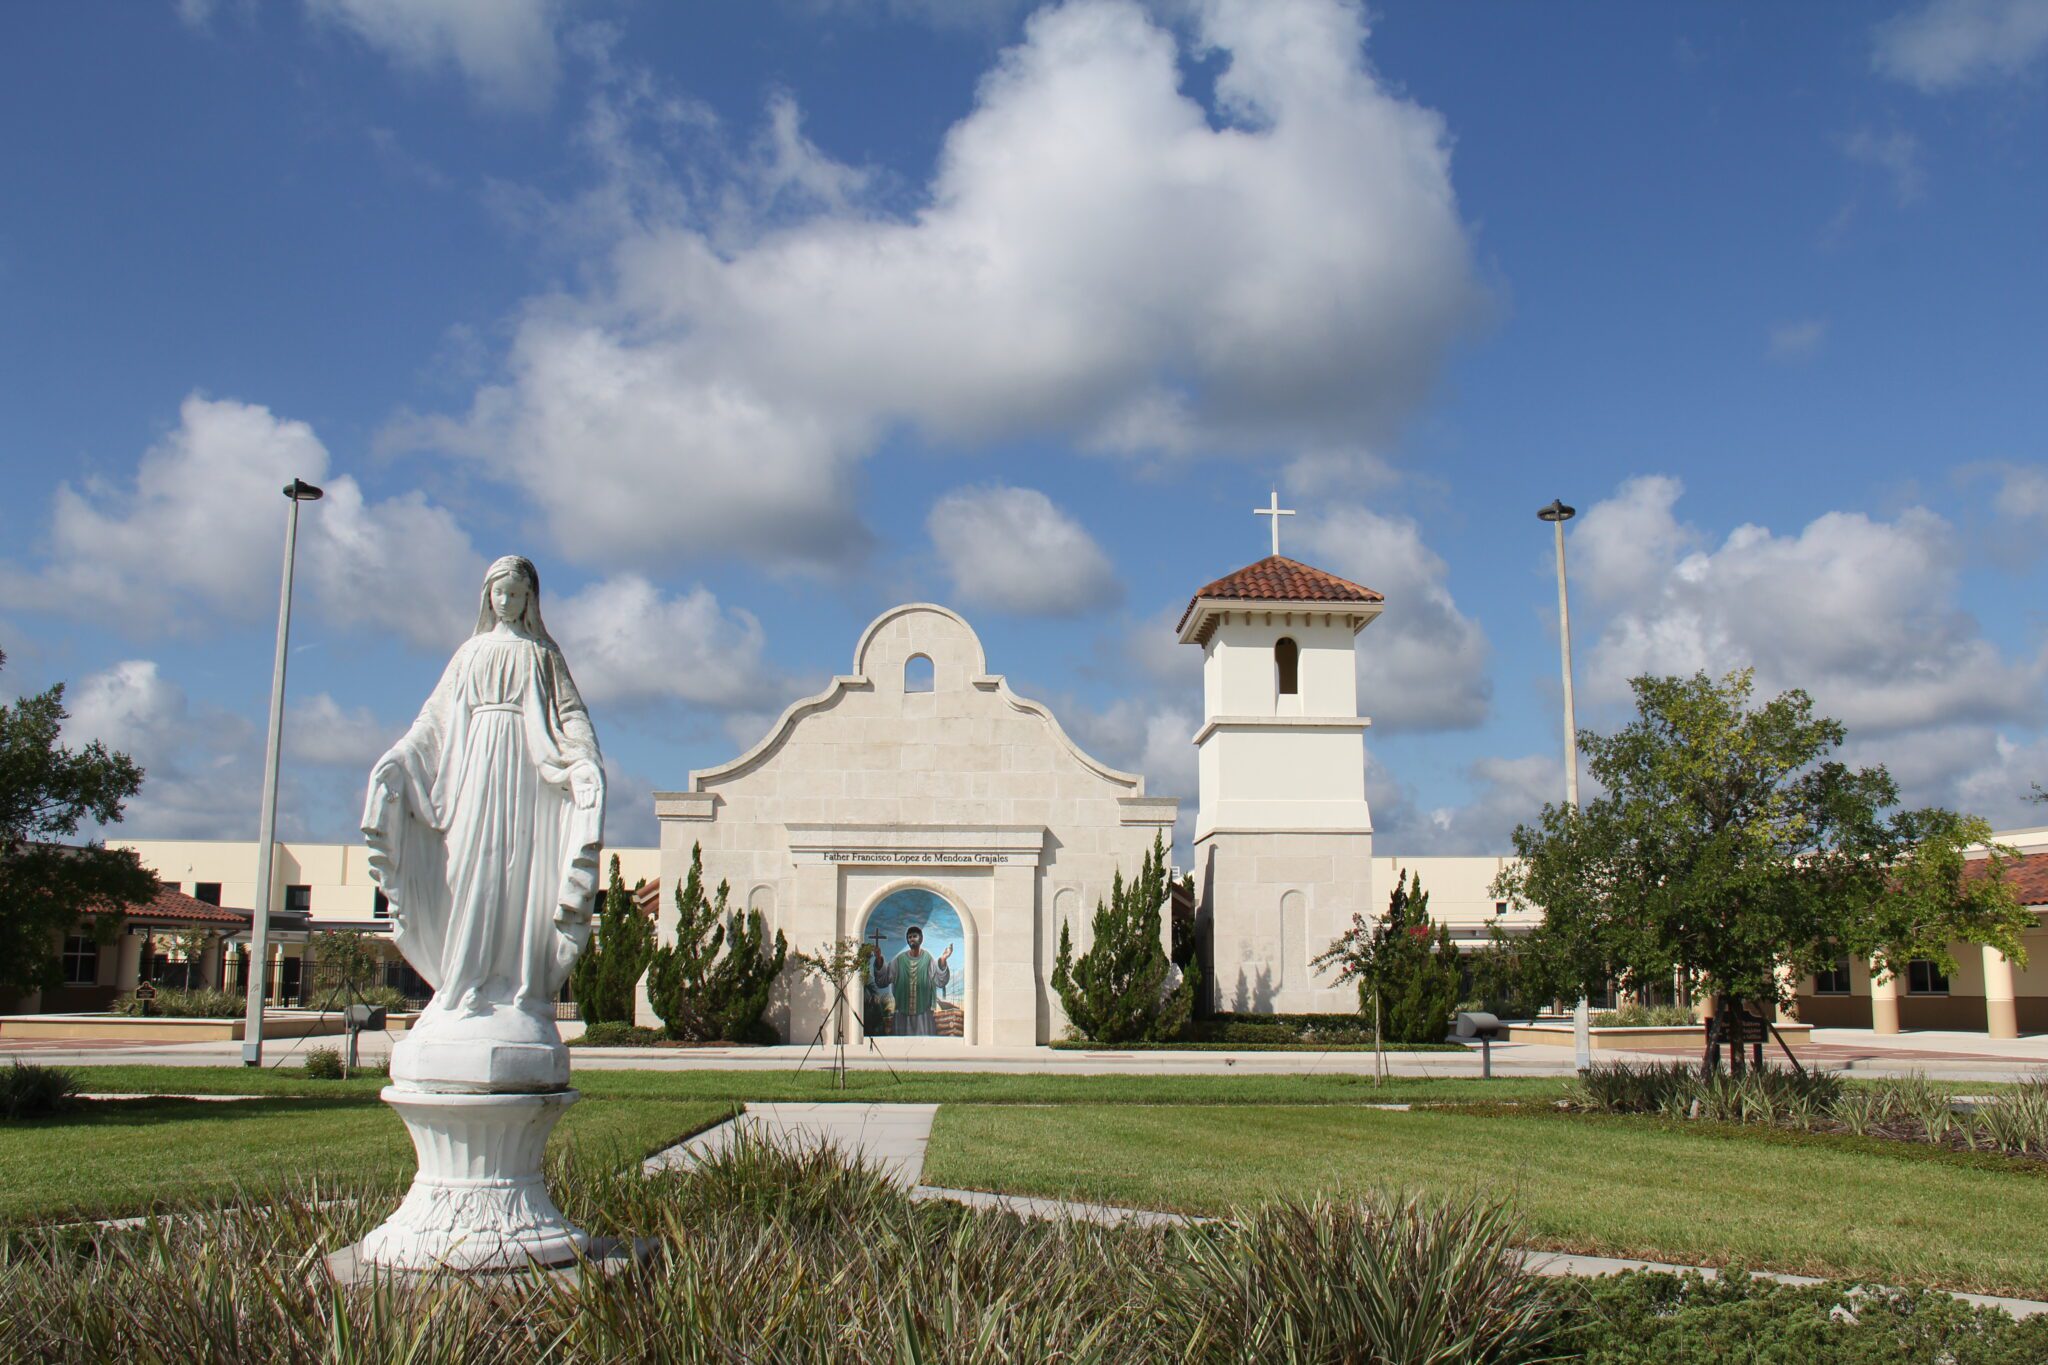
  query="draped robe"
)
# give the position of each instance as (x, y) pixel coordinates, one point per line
(488, 861)
(915, 983)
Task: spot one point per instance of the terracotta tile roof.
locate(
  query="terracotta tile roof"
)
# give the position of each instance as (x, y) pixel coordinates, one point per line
(1277, 578)
(174, 906)
(2027, 875)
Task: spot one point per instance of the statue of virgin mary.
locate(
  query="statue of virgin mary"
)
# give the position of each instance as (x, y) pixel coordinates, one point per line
(484, 825)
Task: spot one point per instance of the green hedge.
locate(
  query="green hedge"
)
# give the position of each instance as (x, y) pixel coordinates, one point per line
(1348, 1019)
(177, 1004)
(1656, 1318)
(612, 1033)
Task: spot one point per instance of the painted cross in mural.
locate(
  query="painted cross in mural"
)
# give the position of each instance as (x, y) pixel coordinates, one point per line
(916, 980)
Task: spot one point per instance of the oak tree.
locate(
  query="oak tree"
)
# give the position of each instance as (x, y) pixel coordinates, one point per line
(48, 882)
(1729, 843)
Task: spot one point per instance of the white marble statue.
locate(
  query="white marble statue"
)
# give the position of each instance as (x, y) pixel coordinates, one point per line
(484, 824)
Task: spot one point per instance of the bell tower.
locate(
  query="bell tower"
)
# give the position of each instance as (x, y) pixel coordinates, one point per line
(1283, 837)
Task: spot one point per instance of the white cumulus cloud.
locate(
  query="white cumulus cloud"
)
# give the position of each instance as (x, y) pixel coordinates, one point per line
(202, 767)
(1423, 664)
(325, 733)
(505, 49)
(201, 529)
(1013, 550)
(1948, 44)
(1862, 613)
(627, 641)
(714, 392)
(1506, 792)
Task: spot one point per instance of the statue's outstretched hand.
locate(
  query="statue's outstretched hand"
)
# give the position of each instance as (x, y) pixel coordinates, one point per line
(389, 774)
(584, 782)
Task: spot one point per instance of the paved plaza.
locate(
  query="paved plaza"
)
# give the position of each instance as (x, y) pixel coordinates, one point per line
(1947, 1056)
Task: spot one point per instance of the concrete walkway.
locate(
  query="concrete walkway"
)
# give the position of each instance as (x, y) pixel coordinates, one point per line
(893, 1137)
(1941, 1056)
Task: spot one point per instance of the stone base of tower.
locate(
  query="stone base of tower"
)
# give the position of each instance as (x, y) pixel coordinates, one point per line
(1272, 901)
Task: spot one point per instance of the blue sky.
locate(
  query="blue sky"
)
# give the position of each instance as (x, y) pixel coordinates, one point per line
(747, 320)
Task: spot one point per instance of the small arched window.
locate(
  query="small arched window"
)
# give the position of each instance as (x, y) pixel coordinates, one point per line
(1287, 664)
(917, 674)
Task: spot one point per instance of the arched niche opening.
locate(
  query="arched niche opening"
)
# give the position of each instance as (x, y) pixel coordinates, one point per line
(1287, 666)
(916, 983)
(918, 673)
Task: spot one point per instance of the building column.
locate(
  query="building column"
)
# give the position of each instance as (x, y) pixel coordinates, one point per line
(1007, 972)
(2001, 1015)
(209, 963)
(1884, 1003)
(128, 971)
(273, 976)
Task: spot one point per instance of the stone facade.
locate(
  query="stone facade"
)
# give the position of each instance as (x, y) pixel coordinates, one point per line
(965, 790)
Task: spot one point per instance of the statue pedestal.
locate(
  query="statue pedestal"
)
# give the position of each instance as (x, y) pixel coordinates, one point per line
(478, 1202)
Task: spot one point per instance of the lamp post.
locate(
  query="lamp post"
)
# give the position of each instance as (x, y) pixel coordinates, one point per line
(1557, 514)
(297, 491)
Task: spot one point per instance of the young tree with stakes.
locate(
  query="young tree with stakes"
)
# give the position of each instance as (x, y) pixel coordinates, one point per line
(345, 963)
(836, 964)
(1728, 843)
(1118, 991)
(1406, 970)
(46, 883)
(606, 976)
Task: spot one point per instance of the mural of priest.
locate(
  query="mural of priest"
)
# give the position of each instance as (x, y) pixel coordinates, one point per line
(914, 978)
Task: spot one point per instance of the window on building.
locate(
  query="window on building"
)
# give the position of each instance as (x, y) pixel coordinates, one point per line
(380, 905)
(298, 900)
(81, 960)
(206, 891)
(1925, 978)
(917, 674)
(1500, 907)
(1287, 663)
(1833, 981)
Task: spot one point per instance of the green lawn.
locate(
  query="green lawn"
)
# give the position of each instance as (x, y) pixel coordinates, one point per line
(927, 1087)
(117, 1157)
(1638, 1187)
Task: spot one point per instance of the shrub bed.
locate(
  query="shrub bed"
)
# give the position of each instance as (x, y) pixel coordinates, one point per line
(1909, 1109)
(28, 1091)
(767, 1255)
(612, 1033)
(208, 1004)
(390, 997)
(1647, 1016)
(177, 1004)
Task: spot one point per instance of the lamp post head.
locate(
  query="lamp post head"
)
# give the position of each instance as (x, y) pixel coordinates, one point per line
(298, 490)
(1557, 511)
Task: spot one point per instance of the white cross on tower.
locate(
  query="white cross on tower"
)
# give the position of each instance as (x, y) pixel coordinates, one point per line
(1275, 511)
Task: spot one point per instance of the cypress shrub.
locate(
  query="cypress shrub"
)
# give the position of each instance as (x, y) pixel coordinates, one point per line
(712, 984)
(1120, 990)
(604, 978)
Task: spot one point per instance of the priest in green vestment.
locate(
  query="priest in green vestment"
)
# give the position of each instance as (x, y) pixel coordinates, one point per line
(914, 978)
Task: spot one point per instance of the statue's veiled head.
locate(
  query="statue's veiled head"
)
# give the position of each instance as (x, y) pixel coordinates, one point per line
(512, 595)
